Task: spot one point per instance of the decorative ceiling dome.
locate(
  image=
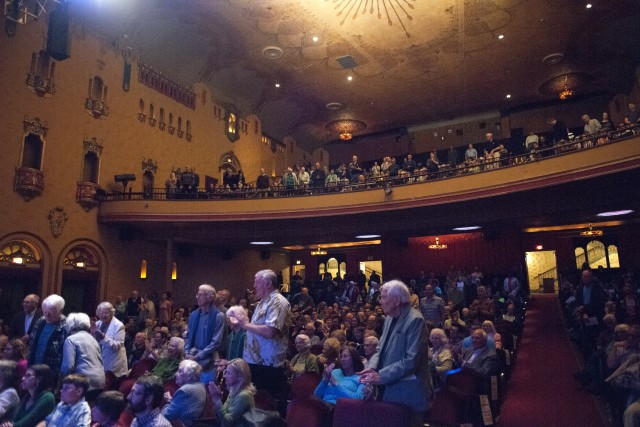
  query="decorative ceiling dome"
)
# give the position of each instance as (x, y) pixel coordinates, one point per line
(345, 128)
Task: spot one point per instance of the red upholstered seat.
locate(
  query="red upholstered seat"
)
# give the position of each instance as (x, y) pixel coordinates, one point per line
(370, 413)
(304, 385)
(307, 412)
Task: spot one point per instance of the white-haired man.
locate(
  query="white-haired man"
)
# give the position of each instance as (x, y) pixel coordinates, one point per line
(267, 339)
(48, 335)
(189, 400)
(110, 334)
(400, 365)
(205, 328)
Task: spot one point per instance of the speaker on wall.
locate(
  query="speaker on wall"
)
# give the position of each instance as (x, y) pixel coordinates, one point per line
(58, 34)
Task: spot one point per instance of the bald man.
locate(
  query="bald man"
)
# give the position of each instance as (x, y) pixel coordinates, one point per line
(23, 322)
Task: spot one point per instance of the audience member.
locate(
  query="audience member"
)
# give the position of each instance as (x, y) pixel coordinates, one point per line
(206, 329)
(343, 381)
(145, 401)
(72, 410)
(22, 323)
(189, 400)
(9, 398)
(237, 376)
(109, 332)
(107, 409)
(48, 335)
(304, 360)
(480, 358)
(38, 401)
(16, 350)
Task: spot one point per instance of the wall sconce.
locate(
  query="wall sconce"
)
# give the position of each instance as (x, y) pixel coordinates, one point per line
(174, 271)
(143, 269)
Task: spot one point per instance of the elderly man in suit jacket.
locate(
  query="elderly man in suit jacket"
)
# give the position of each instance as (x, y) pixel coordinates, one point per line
(110, 334)
(400, 365)
(205, 329)
(189, 401)
(482, 359)
(22, 323)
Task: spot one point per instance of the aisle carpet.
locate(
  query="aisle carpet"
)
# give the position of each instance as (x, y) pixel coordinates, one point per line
(542, 391)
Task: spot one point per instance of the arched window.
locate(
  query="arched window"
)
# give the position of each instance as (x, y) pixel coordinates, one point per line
(180, 132)
(596, 254)
(332, 266)
(32, 152)
(161, 123)
(321, 268)
(612, 253)
(580, 257)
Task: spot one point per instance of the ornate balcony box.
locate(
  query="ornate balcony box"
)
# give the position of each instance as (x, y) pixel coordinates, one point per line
(41, 86)
(171, 130)
(152, 121)
(142, 117)
(180, 133)
(96, 108)
(188, 137)
(28, 182)
(162, 125)
(88, 195)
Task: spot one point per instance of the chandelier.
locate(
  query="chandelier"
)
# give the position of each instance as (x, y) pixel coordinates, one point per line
(437, 245)
(318, 252)
(591, 232)
(565, 85)
(346, 128)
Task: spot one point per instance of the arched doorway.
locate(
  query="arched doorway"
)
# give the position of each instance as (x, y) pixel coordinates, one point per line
(20, 275)
(81, 279)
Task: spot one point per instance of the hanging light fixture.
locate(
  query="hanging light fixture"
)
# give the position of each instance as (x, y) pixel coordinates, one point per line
(591, 232)
(437, 245)
(346, 128)
(320, 251)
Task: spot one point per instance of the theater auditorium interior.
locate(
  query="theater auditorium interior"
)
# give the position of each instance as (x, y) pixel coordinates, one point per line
(134, 132)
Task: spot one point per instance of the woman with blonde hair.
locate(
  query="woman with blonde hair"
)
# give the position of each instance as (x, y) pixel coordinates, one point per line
(237, 377)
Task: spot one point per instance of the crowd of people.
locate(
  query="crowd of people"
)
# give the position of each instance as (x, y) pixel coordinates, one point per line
(363, 339)
(486, 155)
(602, 314)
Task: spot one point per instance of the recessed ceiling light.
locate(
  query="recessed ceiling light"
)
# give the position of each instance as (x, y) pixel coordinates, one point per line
(508, 95)
(262, 243)
(368, 236)
(471, 227)
(589, 5)
(616, 213)
(501, 36)
(315, 39)
(277, 84)
(349, 77)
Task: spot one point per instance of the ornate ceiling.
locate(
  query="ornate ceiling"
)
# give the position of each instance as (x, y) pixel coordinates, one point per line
(411, 61)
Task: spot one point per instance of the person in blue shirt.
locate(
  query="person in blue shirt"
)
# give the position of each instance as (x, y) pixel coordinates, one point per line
(343, 381)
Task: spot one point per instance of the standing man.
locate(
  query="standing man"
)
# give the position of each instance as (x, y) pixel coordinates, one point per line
(22, 323)
(493, 147)
(432, 307)
(48, 335)
(262, 183)
(559, 132)
(400, 364)
(266, 343)
(109, 332)
(318, 176)
(205, 328)
(133, 305)
(145, 401)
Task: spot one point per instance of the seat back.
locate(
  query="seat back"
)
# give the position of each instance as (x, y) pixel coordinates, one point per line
(307, 412)
(370, 413)
(265, 401)
(465, 381)
(304, 385)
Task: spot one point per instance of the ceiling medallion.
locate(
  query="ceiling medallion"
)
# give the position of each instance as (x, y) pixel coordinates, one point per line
(346, 128)
(437, 245)
(553, 59)
(333, 106)
(272, 52)
(389, 9)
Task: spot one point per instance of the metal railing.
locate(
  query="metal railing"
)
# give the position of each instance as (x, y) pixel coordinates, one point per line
(372, 182)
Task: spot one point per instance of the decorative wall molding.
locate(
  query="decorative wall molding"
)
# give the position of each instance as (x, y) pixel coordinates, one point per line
(155, 80)
(57, 220)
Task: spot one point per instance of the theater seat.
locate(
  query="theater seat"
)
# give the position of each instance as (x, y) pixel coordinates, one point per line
(304, 385)
(370, 413)
(307, 412)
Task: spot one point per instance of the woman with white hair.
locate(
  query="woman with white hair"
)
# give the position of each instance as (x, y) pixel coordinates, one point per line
(81, 354)
(440, 356)
(304, 360)
(109, 332)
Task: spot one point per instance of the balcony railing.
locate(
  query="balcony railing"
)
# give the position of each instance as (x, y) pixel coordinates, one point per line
(419, 176)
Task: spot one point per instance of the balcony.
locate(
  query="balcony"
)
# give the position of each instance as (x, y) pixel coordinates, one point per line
(88, 195)
(29, 183)
(40, 85)
(96, 108)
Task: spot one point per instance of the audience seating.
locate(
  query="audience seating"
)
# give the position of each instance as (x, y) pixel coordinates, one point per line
(370, 413)
(304, 385)
(308, 412)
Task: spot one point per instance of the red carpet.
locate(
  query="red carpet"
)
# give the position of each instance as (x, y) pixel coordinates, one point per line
(542, 391)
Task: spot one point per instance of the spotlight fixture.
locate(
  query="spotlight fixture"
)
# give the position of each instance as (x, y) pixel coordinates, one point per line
(616, 213)
(437, 245)
(320, 251)
(589, 6)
